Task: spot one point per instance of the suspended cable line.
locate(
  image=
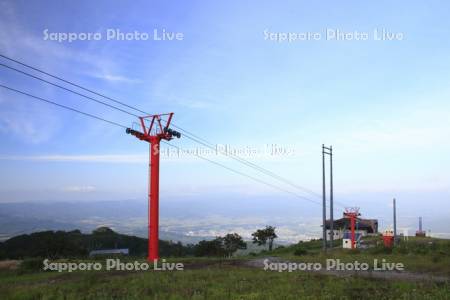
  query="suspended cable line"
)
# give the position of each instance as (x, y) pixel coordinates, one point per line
(68, 90)
(248, 163)
(70, 82)
(188, 134)
(180, 149)
(246, 175)
(61, 106)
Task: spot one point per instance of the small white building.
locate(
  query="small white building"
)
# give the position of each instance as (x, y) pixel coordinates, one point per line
(363, 227)
(109, 252)
(347, 239)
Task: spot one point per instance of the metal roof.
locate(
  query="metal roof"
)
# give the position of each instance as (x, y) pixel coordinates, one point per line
(109, 251)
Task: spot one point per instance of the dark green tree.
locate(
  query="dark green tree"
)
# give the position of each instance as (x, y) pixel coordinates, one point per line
(265, 236)
(210, 248)
(232, 242)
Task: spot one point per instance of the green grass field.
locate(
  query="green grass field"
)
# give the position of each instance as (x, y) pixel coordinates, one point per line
(214, 282)
(213, 278)
(418, 254)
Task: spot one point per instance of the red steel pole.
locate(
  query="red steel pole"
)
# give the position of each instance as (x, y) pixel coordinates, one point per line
(352, 224)
(153, 214)
(153, 134)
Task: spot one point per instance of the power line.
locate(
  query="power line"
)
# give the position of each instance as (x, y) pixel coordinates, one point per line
(71, 83)
(250, 164)
(188, 134)
(62, 106)
(246, 175)
(122, 126)
(72, 91)
(69, 90)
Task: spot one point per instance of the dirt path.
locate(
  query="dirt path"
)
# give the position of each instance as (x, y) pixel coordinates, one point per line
(389, 275)
(9, 264)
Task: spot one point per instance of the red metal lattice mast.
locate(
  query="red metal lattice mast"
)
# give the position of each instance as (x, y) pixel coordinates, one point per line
(352, 213)
(153, 134)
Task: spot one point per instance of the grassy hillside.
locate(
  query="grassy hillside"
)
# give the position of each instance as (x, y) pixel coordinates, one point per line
(417, 254)
(219, 278)
(209, 279)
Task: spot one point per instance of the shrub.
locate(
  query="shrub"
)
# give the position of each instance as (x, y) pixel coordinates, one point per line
(31, 265)
(437, 258)
(420, 249)
(300, 251)
(355, 251)
(401, 249)
(380, 249)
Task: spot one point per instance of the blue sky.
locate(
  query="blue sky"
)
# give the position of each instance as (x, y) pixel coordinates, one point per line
(383, 105)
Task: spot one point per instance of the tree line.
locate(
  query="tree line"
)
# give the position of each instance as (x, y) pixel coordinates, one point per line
(62, 244)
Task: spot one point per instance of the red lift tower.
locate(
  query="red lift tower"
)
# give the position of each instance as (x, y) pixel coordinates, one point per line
(153, 134)
(352, 213)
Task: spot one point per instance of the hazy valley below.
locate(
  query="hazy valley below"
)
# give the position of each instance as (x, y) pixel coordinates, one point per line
(187, 220)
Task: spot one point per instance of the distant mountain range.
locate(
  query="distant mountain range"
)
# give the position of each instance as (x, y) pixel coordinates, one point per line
(188, 220)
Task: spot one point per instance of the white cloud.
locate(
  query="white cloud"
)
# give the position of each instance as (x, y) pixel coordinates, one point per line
(116, 78)
(26, 121)
(417, 185)
(17, 41)
(194, 104)
(114, 158)
(185, 154)
(79, 189)
(417, 127)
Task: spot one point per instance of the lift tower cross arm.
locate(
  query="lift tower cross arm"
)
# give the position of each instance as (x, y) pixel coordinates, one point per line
(153, 134)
